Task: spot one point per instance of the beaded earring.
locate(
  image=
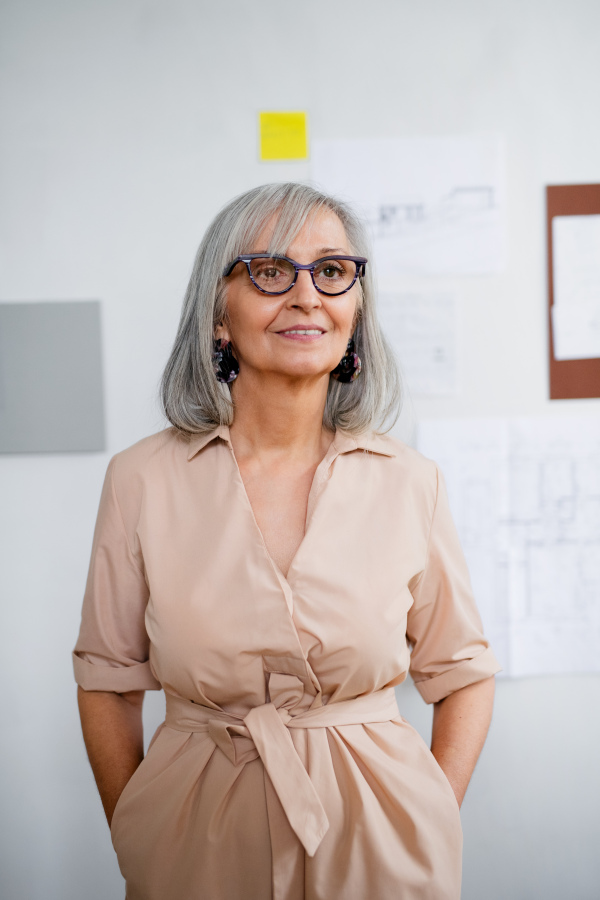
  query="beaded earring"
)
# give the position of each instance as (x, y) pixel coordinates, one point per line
(349, 367)
(225, 364)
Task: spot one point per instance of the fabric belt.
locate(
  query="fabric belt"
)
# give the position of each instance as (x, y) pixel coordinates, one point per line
(263, 733)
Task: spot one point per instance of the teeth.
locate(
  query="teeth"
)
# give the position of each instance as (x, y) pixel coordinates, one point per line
(305, 331)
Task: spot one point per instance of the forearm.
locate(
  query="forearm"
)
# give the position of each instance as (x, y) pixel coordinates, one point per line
(460, 726)
(113, 734)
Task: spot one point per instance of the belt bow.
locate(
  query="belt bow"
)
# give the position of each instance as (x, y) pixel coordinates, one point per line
(264, 732)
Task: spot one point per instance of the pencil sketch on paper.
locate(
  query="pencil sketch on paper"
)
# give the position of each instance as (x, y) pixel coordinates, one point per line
(525, 494)
(462, 207)
(421, 328)
(433, 205)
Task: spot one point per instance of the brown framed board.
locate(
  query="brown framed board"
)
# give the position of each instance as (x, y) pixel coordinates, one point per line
(569, 378)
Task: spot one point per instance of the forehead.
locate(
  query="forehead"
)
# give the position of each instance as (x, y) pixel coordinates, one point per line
(322, 232)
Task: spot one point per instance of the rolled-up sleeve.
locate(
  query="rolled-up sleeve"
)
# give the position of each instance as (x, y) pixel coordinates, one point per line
(449, 649)
(112, 650)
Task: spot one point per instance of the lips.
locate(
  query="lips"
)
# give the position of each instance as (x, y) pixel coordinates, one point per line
(306, 332)
(303, 329)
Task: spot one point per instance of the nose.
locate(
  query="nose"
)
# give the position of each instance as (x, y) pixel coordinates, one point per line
(304, 294)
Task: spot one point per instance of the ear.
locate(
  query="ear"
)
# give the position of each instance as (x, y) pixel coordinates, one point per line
(221, 332)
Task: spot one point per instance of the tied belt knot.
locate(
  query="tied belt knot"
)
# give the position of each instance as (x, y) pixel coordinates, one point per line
(264, 732)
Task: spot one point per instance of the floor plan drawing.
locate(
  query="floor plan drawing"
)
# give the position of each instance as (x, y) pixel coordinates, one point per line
(525, 495)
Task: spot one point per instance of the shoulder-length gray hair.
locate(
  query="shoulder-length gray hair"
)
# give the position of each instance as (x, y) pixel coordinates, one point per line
(193, 400)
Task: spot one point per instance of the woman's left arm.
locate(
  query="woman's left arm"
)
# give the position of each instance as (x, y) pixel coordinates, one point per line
(460, 725)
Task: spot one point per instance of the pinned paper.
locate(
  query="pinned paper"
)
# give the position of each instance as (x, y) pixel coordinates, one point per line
(434, 205)
(421, 328)
(576, 272)
(283, 135)
(525, 497)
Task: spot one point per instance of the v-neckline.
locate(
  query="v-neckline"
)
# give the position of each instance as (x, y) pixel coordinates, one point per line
(313, 494)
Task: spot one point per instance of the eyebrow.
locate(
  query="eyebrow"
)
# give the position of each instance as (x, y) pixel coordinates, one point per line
(324, 251)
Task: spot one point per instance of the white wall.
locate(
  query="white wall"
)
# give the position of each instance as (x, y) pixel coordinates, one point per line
(126, 124)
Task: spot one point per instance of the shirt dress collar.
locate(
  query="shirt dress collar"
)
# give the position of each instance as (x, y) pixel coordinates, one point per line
(343, 442)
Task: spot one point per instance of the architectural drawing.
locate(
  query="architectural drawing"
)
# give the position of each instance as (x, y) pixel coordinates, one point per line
(434, 205)
(465, 207)
(421, 328)
(525, 494)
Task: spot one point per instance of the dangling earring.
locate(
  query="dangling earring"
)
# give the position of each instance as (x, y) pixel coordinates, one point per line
(349, 367)
(225, 364)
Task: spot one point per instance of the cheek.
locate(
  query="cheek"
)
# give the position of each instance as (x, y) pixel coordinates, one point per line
(248, 322)
(345, 317)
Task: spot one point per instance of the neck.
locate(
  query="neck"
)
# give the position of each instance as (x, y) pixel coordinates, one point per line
(274, 416)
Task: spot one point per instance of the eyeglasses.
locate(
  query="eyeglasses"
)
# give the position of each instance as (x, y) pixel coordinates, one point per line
(331, 275)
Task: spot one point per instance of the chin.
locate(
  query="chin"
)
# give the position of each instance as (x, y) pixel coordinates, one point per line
(302, 370)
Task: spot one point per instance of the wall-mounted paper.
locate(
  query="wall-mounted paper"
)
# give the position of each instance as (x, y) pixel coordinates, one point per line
(51, 392)
(576, 330)
(283, 135)
(434, 205)
(525, 495)
(576, 278)
(422, 331)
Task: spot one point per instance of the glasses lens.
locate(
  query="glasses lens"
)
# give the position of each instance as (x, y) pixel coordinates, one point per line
(335, 275)
(271, 274)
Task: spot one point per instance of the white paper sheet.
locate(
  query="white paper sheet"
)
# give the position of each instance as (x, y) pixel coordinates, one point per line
(525, 495)
(422, 330)
(576, 330)
(434, 205)
(576, 277)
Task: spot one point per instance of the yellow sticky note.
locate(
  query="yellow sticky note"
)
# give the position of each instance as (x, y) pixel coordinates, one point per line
(283, 135)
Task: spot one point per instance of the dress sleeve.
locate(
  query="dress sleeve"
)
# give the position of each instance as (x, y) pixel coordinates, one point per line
(444, 626)
(111, 653)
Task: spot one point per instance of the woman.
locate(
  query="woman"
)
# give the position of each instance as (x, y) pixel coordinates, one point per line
(269, 560)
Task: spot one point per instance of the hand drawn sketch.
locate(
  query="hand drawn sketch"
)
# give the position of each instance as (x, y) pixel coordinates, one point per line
(460, 207)
(525, 494)
(421, 328)
(434, 205)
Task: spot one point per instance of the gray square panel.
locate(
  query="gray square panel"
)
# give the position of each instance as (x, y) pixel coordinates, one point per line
(51, 394)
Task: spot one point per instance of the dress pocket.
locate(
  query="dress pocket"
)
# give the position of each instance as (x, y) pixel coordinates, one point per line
(133, 781)
(122, 798)
(444, 777)
(431, 765)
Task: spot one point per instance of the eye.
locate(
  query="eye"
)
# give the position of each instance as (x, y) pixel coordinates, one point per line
(331, 269)
(268, 271)
(334, 276)
(334, 270)
(272, 274)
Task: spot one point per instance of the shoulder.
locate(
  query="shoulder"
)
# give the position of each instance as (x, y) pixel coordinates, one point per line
(411, 475)
(397, 473)
(131, 467)
(404, 460)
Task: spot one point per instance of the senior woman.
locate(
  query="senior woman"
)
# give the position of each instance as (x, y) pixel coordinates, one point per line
(277, 564)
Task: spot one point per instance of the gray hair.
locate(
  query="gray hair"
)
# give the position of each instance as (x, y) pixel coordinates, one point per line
(193, 400)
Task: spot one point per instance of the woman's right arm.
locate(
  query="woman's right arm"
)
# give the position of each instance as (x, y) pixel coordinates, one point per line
(114, 740)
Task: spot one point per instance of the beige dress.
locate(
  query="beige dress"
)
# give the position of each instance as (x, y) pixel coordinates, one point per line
(283, 769)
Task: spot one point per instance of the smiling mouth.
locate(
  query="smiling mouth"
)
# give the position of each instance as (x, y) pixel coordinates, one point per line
(302, 331)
